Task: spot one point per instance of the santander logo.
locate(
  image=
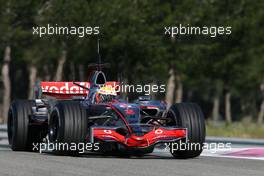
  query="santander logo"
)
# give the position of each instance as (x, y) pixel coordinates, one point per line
(64, 87)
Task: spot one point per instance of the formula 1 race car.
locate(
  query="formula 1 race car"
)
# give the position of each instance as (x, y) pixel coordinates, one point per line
(92, 112)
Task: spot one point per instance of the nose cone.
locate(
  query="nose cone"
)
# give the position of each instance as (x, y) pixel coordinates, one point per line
(130, 111)
(137, 141)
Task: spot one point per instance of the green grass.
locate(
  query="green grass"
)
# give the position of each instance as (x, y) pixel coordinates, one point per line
(236, 129)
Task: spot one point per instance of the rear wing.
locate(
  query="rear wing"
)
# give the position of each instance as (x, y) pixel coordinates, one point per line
(65, 90)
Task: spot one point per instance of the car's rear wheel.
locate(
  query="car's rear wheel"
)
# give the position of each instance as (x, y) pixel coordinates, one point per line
(21, 135)
(190, 116)
(67, 126)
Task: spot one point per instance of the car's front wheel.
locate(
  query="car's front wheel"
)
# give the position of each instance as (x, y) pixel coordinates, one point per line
(190, 116)
(67, 126)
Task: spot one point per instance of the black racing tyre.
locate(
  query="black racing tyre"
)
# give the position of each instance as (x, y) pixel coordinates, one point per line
(21, 135)
(190, 116)
(67, 126)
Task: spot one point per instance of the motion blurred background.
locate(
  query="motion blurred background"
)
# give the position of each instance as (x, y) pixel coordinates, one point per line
(225, 74)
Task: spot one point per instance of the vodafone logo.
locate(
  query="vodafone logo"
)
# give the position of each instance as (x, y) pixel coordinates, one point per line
(108, 131)
(158, 131)
(64, 87)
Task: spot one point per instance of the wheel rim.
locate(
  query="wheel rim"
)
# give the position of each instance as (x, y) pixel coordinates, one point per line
(53, 128)
(173, 117)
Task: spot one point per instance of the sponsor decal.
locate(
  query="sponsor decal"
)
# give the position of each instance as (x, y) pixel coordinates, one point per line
(64, 87)
(158, 131)
(108, 131)
(129, 112)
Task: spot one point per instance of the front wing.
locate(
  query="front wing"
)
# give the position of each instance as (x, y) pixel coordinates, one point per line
(159, 135)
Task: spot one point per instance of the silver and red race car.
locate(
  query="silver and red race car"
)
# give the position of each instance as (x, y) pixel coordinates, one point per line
(92, 112)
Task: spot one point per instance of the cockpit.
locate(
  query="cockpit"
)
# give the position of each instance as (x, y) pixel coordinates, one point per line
(100, 91)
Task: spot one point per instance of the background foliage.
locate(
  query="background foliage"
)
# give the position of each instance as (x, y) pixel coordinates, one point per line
(133, 41)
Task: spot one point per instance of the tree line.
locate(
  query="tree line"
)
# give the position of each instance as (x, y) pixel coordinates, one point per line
(224, 74)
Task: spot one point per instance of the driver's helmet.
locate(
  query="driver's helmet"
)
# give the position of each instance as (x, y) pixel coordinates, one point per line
(105, 94)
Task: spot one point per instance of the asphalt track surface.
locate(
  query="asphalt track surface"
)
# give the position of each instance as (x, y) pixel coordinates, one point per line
(160, 164)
